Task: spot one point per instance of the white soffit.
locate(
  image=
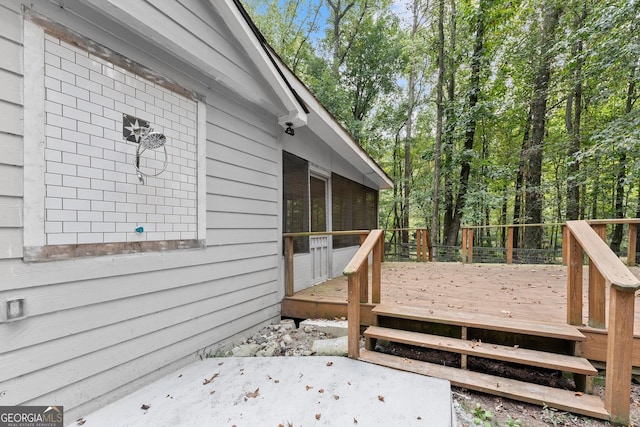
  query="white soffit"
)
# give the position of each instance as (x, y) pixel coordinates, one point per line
(239, 26)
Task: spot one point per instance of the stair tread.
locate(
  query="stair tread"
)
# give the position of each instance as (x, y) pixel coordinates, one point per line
(565, 400)
(480, 321)
(529, 357)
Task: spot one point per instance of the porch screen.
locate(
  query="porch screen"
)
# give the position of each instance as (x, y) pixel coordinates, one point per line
(354, 207)
(295, 177)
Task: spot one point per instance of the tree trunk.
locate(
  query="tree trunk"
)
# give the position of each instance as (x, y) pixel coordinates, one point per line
(435, 224)
(572, 119)
(534, 196)
(409, 130)
(474, 92)
(517, 203)
(616, 240)
(450, 129)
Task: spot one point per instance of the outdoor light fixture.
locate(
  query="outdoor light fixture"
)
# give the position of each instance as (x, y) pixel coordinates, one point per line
(289, 130)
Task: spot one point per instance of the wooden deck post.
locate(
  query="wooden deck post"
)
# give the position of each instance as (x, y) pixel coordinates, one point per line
(419, 251)
(597, 287)
(574, 280)
(619, 355)
(376, 271)
(565, 236)
(631, 250)
(510, 245)
(353, 316)
(364, 275)
(470, 246)
(288, 268)
(463, 244)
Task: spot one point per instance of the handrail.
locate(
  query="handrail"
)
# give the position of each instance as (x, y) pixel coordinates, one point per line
(355, 270)
(363, 253)
(605, 268)
(605, 260)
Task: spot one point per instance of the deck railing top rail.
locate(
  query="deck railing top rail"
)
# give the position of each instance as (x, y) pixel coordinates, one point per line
(605, 260)
(363, 253)
(614, 221)
(326, 233)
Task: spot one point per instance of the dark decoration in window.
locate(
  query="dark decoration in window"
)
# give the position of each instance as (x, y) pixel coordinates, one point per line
(354, 207)
(295, 177)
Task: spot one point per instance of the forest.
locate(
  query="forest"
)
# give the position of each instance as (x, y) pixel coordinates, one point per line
(481, 111)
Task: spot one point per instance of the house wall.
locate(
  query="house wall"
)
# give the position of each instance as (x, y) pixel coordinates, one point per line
(321, 158)
(99, 327)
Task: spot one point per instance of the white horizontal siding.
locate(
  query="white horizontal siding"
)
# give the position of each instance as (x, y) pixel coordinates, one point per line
(12, 86)
(150, 366)
(11, 146)
(10, 212)
(100, 327)
(182, 323)
(11, 149)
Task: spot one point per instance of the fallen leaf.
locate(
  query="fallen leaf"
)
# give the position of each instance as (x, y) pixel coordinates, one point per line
(381, 398)
(212, 391)
(336, 397)
(254, 394)
(81, 421)
(276, 381)
(321, 390)
(318, 416)
(579, 393)
(355, 421)
(329, 363)
(308, 387)
(207, 381)
(145, 407)
(419, 418)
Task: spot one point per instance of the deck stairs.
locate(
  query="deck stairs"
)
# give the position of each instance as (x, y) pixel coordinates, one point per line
(537, 344)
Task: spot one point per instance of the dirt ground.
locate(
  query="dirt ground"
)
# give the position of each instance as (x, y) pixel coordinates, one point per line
(480, 409)
(472, 408)
(499, 412)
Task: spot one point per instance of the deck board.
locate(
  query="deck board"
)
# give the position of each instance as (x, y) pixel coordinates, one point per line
(585, 404)
(527, 292)
(491, 351)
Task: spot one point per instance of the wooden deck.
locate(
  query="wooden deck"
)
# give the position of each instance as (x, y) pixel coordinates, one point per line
(519, 292)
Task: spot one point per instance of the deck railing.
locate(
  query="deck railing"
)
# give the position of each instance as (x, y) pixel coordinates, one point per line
(423, 250)
(356, 270)
(402, 243)
(605, 269)
(289, 252)
(554, 240)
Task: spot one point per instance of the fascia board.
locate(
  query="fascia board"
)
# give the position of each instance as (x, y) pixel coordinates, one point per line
(256, 51)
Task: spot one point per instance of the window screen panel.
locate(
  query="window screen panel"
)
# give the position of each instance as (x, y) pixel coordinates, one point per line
(295, 177)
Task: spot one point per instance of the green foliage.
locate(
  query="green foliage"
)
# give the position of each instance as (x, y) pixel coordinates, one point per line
(511, 422)
(482, 417)
(358, 65)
